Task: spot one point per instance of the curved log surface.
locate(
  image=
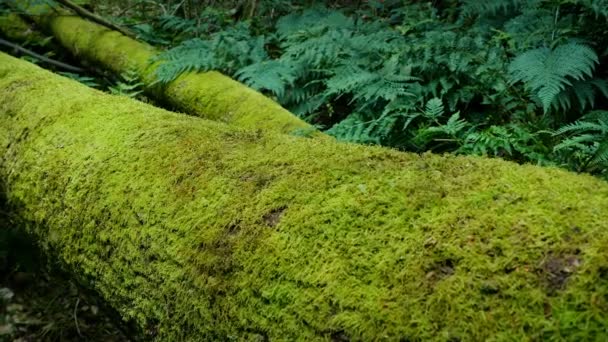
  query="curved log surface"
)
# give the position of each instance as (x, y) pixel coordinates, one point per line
(196, 230)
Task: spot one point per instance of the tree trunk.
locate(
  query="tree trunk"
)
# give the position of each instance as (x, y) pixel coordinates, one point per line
(197, 230)
(209, 95)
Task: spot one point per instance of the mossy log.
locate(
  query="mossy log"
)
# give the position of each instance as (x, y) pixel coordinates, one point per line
(197, 230)
(15, 28)
(210, 95)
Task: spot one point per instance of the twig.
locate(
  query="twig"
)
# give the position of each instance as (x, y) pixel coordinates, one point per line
(40, 57)
(94, 17)
(177, 7)
(252, 9)
(76, 317)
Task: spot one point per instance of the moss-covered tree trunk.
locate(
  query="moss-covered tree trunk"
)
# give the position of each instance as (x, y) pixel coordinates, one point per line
(196, 230)
(210, 95)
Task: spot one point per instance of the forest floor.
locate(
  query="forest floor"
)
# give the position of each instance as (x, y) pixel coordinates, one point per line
(41, 304)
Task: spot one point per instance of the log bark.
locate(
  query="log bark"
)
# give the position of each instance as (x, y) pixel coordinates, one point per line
(210, 95)
(196, 230)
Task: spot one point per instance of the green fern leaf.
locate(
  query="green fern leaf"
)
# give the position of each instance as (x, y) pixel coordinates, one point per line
(548, 72)
(491, 7)
(601, 154)
(273, 76)
(434, 109)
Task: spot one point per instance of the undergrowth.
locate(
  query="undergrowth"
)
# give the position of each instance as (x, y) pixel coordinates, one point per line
(517, 80)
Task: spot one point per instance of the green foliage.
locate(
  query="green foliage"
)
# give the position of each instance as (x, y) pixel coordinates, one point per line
(489, 78)
(86, 80)
(129, 85)
(547, 73)
(491, 7)
(584, 143)
(269, 75)
(227, 50)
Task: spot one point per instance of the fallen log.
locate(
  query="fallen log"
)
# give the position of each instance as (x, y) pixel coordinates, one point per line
(210, 95)
(196, 230)
(15, 28)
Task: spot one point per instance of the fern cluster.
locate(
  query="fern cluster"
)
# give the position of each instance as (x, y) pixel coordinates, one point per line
(584, 143)
(492, 78)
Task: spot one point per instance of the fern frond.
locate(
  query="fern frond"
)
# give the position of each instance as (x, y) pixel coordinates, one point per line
(594, 121)
(583, 93)
(273, 76)
(452, 127)
(493, 141)
(490, 7)
(365, 86)
(312, 18)
(227, 51)
(548, 72)
(174, 23)
(303, 108)
(576, 141)
(601, 154)
(586, 142)
(355, 129)
(434, 109)
(194, 54)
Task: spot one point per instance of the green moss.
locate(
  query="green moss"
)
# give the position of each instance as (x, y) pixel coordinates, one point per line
(15, 28)
(209, 95)
(197, 230)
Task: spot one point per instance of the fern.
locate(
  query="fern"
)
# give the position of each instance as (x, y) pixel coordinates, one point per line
(548, 72)
(452, 127)
(434, 109)
(290, 25)
(176, 24)
(86, 80)
(509, 141)
(129, 85)
(491, 7)
(273, 76)
(355, 129)
(535, 27)
(228, 50)
(583, 93)
(438, 78)
(585, 142)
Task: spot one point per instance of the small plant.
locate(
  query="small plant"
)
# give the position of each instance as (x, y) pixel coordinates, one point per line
(86, 80)
(548, 73)
(584, 143)
(129, 85)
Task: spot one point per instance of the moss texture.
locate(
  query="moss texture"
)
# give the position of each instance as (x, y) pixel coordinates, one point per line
(197, 230)
(210, 95)
(15, 28)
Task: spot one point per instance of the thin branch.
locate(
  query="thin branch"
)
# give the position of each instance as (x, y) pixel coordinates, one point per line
(76, 317)
(94, 17)
(40, 57)
(252, 9)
